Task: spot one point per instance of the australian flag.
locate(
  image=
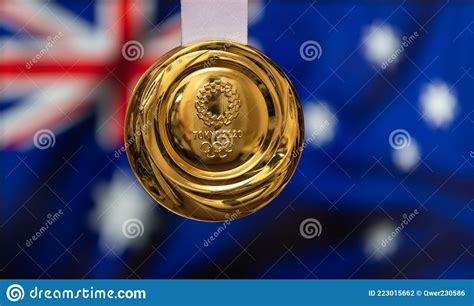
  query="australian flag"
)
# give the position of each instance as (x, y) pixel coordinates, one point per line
(384, 189)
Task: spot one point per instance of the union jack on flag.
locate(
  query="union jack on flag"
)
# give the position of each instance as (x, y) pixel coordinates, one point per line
(57, 65)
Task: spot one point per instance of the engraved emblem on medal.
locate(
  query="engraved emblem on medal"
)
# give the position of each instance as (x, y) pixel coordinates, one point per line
(218, 141)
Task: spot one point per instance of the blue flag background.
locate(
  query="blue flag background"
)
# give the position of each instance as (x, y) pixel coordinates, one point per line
(384, 189)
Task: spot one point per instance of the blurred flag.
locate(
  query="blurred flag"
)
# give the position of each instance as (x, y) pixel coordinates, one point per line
(384, 187)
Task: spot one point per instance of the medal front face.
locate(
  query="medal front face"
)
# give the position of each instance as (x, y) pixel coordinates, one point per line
(214, 130)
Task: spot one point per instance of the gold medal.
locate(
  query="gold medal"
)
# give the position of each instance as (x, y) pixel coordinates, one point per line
(213, 130)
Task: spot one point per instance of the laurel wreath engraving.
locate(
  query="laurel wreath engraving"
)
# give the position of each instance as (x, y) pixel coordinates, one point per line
(205, 94)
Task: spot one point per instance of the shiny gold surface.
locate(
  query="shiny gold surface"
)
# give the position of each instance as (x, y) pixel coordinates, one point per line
(214, 130)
